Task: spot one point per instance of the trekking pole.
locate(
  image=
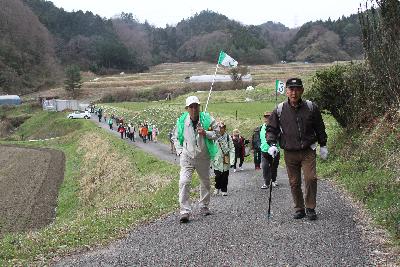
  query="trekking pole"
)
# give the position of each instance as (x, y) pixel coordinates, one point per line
(270, 190)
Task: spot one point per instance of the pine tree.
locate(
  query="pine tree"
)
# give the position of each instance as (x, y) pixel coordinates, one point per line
(73, 79)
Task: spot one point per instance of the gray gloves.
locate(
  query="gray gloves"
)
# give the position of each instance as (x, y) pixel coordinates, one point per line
(323, 152)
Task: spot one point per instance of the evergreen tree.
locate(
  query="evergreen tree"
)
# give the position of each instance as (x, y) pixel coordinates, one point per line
(73, 79)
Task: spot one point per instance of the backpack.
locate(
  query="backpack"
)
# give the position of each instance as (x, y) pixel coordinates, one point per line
(256, 140)
(280, 106)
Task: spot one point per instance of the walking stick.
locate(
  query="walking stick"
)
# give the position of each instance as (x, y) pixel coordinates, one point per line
(270, 190)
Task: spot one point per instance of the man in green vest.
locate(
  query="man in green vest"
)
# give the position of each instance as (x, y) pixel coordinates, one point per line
(194, 137)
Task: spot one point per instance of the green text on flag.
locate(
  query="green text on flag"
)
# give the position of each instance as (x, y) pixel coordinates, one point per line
(280, 87)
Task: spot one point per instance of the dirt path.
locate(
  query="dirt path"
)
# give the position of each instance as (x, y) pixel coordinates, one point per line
(29, 179)
(239, 234)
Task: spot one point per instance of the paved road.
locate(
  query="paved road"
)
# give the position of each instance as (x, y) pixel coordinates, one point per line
(238, 232)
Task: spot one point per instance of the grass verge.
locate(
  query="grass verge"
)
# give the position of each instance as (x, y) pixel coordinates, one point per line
(108, 188)
(367, 167)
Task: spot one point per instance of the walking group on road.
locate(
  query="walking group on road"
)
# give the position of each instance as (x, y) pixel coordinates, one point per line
(146, 132)
(296, 126)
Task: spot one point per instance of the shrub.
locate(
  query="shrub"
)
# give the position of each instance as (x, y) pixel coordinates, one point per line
(349, 92)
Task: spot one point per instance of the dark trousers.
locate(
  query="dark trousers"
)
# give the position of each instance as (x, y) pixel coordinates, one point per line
(122, 135)
(269, 167)
(110, 126)
(295, 162)
(257, 157)
(240, 162)
(221, 180)
(150, 136)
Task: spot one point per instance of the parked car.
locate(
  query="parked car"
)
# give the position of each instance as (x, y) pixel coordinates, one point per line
(79, 115)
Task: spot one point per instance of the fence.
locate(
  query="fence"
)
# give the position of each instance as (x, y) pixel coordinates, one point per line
(60, 105)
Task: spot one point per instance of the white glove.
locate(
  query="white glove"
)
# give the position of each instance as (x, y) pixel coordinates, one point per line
(313, 146)
(273, 151)
(323, 152)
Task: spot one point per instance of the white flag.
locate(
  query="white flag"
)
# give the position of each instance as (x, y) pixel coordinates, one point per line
(225, 60)
(280, 87)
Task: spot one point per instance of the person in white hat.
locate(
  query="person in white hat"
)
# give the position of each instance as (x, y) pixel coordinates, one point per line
(194, 137)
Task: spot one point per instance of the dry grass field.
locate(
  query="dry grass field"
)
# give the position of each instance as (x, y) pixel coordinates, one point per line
(172, 76)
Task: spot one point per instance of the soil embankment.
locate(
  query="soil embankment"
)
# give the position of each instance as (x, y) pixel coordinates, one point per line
(30, 179)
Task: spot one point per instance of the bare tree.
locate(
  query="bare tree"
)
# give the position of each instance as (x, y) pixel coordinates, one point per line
(237, 74)
(380, 32)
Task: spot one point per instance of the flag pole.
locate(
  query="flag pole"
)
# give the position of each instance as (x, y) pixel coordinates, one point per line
(276, 96)
(209, 94)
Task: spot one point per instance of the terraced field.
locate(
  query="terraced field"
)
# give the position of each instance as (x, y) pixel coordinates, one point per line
(172, 76)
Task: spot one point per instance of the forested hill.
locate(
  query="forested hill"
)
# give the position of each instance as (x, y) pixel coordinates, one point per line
(61, 38)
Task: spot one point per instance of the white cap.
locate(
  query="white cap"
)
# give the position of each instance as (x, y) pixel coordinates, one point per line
(192, 99)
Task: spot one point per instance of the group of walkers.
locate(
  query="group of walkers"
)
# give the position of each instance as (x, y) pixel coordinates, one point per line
(145, 131)
(296, 126)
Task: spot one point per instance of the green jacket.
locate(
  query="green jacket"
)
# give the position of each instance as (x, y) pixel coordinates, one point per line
(225, 147)
(264, 144)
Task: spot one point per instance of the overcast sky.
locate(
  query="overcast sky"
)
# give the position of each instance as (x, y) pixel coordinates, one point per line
(291, 13)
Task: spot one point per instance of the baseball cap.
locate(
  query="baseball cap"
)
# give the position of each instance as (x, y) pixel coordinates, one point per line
(294, 82)
(192, 99)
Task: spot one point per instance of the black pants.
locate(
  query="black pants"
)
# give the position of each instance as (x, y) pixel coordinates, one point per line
(221, 180)
(257, 157)
(240, 162)
(269, 167)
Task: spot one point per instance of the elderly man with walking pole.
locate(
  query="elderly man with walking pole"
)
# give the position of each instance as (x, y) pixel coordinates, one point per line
(298, 126)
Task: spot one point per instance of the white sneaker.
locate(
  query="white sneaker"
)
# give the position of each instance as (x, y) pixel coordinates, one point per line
(234, 170)
(224, 193)
(241, 168)
(274, 184)
(216, 192)
(264, 186)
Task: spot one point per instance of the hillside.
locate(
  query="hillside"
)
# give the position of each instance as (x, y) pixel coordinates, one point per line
(109, 46)
(27, 55)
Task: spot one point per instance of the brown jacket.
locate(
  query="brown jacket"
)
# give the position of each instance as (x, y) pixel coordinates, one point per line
(297, 128)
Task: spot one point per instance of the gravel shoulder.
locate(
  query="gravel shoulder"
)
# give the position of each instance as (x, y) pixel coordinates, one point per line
(238, 232)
